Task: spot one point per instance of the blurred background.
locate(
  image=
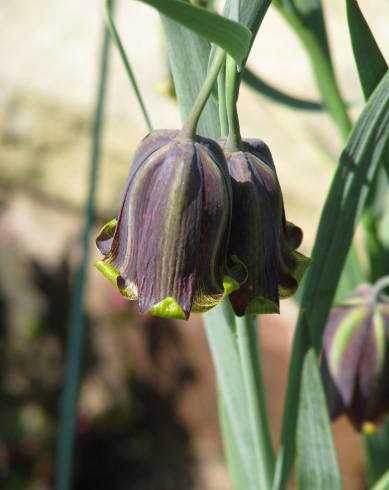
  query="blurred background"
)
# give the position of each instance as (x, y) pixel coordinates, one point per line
(147, 412)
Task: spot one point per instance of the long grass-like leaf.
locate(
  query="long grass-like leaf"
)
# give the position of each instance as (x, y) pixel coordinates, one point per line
(344, 205)
(233, 37)
(383, 482)
(220, 327)
(188, 78)
(259, 85)
(317, 463)
(250, 358)
(370, 61)
(76, 333)
(306, 19)
(251, 14)
(342, 210)
(232, 455)
(376, 446)
(116, 39)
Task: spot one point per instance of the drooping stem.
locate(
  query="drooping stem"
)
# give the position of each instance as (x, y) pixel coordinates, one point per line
(232, 87)
(76, 335)
(221, 90)
(249, 353)
(378, 289)
(116, 39)
(189, 128)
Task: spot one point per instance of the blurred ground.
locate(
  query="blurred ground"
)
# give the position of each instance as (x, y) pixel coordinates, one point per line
(147, 401)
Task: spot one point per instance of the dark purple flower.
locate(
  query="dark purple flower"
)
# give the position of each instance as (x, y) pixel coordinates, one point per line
(167, 250)
(261, 238)
(355, 360)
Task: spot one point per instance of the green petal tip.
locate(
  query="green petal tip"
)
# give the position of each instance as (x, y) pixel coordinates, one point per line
(260, 306)
(108, 271)
(109, 227)
(168, 308)
(230, 285)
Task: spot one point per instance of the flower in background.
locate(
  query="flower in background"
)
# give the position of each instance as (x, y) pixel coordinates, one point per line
(261, 238)
(355, 357)
(167, 249)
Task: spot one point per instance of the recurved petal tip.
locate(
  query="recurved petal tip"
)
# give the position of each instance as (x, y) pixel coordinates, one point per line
(105, 237)
(168, 308)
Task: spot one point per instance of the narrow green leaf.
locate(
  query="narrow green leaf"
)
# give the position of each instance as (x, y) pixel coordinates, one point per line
(383, 482)
(229, 35)
(116, 39)
(233, 457)
(76, 335)
(343, 207)
(370, 62)
(317, 463)
(285, 456)
(251, 14)
(371, 67)
(250, 358)
(307, 20)
(342, 210)
(220, 328)
(189, 77)
(376, 447)
(312, 17)
(259, 85)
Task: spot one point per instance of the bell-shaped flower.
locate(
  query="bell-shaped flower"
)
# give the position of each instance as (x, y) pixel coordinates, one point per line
(261, 238)
(355, 357)
(167, 249)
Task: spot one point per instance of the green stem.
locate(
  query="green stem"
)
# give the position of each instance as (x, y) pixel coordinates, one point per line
(189, 128)
(116, 39)
(234, 140)
(249, 351)
(221, 90)
(75, 340)
(323, 71)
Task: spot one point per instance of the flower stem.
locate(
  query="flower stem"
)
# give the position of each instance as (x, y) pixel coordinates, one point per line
(249, 351)
(189, 128)
(232, 88)
(116, 39)
(378, 289)
(221, 90)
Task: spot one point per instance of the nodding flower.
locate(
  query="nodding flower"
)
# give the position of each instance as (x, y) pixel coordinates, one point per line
(261, 238)
(167, 250)
(355, 356)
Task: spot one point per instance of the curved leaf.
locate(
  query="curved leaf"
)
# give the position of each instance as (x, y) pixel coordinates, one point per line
(317, 463)
(341, 213)
(229, 35)
(220, 328)
(267, 90)
(370, 62)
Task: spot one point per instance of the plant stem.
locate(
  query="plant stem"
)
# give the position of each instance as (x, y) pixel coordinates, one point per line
(378, 289)
(232, 87)
(189, 128)
(75, 340)
(116, 39)
(221, 90)
(249, 351)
